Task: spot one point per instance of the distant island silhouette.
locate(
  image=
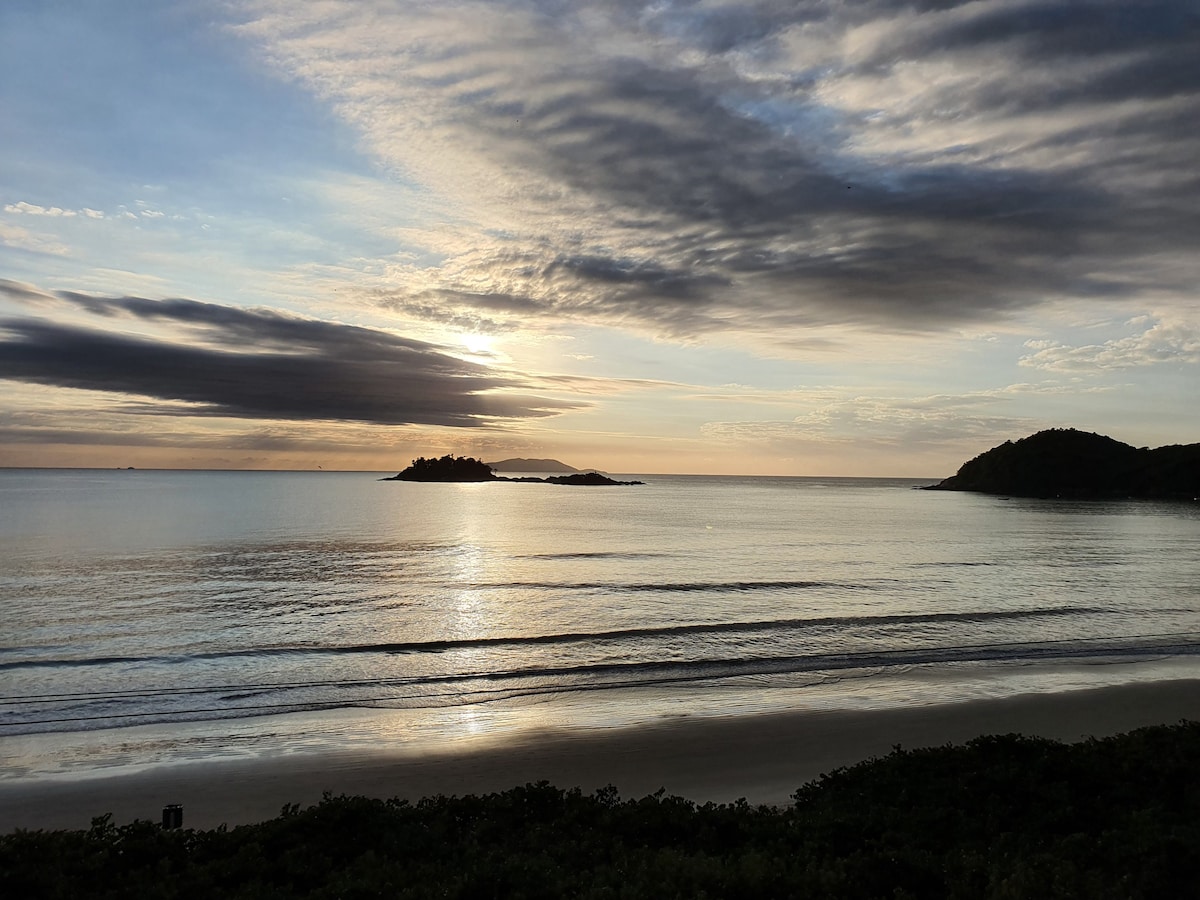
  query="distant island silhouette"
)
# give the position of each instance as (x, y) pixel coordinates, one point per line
(446, 468)
(1081, 465)
(520, 464)
(468, 469)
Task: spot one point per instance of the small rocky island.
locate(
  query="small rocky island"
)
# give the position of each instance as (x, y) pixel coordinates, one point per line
(1080, 465)
(467, 469)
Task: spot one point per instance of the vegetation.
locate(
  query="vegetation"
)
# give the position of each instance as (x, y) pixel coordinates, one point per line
(1001, 817)
(447, 468)
(450, 468)
(1063, 462)
(586, 478)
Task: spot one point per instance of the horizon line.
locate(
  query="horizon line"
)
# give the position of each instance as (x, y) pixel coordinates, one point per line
(385, 471)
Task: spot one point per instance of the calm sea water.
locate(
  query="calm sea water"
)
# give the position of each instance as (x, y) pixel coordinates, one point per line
(135, 601)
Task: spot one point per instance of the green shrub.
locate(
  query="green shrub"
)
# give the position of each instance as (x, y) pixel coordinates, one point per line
(999, 817)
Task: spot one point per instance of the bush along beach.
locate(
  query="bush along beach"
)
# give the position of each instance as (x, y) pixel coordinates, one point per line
(1000, 817)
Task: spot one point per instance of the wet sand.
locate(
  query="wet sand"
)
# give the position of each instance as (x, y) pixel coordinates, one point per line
(763, 758)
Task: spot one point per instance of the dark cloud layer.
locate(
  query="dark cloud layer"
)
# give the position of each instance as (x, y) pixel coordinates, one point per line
(259, 364)
(723, 174)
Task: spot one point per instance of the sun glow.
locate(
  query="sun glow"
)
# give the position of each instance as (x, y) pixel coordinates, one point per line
(478, 344)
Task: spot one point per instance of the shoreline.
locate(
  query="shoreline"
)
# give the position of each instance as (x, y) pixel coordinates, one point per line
(763, 758)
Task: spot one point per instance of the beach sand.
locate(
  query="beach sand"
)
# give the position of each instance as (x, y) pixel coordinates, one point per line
(763, 758)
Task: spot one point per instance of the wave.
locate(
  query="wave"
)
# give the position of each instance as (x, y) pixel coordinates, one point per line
(659, 586)
(477, 687)
(599, 554)
(1177, 644)
(82, 661)
(578, 637)
(724, 628)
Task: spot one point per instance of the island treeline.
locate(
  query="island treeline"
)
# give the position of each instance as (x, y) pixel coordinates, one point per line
(1064, 462)
(446, 468)
(1001, 817)
(467, 469)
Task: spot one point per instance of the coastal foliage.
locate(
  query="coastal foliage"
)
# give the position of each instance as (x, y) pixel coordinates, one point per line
(459, 468)
(1064, 462)
(1001, 817)
(446, 468)
(587, 479)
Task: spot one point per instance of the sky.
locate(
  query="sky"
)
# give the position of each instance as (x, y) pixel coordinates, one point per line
(791, 238)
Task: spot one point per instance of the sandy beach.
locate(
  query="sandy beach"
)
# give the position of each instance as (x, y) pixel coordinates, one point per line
(763, 758)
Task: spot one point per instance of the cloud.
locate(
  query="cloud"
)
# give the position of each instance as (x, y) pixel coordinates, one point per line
(23, 239)
(942, 428)
(29, 209)
(885, 422)
(87, 432)
(24, 208)
(1163, 343)
(258, 364)
(692, 168)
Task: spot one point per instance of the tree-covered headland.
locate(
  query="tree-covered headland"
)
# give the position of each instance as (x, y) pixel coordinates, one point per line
(1063, 462)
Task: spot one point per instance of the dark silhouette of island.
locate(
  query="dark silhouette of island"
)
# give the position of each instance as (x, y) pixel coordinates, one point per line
(585, 478)
(458, 468)
(520, 464)
(1080, 465)
(446, 468)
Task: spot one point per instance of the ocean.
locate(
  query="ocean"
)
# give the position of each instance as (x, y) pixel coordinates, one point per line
(153, 616)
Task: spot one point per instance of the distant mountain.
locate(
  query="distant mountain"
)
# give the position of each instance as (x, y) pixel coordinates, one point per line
(531, 465)
(1063, 462)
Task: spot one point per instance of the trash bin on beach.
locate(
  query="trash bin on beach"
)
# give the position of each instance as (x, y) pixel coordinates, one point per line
(173, 815)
